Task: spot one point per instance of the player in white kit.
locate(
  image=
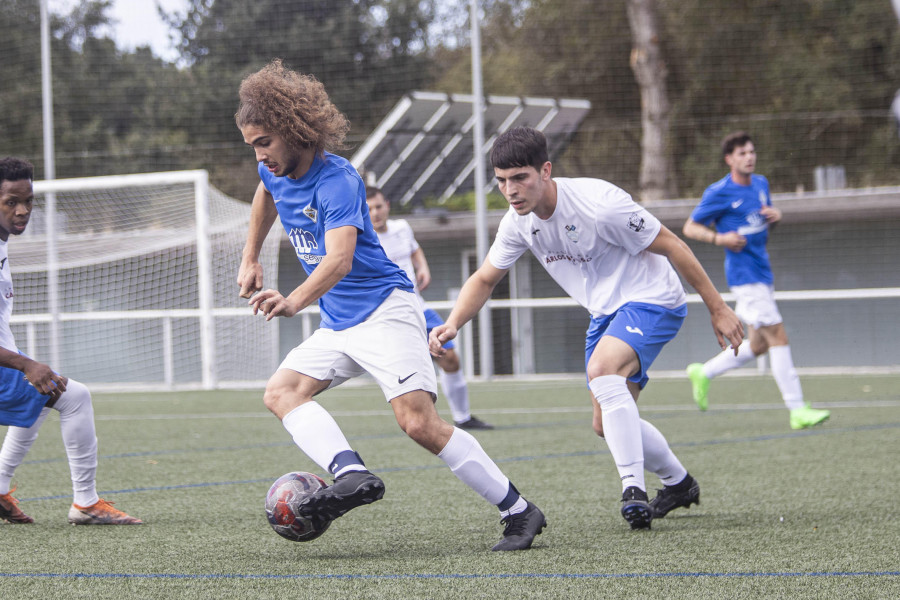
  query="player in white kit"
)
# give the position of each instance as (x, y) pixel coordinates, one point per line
(610, 255)
(29, 389)
(400, 245)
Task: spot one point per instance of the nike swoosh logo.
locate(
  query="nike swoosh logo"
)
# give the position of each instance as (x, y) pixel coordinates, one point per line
(736, 203)
(636, 330)
(405, 378)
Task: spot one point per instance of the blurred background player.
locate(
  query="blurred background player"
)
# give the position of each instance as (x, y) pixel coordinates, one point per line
(371, 320)
(399, 243)
(29, 389)
(736, 213)
(613, 257)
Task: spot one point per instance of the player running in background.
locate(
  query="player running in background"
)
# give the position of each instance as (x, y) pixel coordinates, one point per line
(29, 389)
(399, 243)
(610, 255)
(736, 213)
(371, 320)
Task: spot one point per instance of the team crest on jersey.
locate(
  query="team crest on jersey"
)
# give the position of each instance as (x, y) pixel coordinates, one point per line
(310, 212)
(636, 222)
(571, 233)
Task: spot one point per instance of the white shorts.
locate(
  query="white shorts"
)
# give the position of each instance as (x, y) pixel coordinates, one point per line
(390, 345)
(755, 304)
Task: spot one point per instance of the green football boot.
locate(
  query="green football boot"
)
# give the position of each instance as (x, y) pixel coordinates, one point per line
(700, 385)
(802, 418)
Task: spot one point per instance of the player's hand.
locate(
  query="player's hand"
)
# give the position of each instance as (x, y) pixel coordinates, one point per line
(272, 304)
(45, 380)
(728, 328)
(771, 214)
(250, 278)
(732, 240)
(423, 278)
(439, 336)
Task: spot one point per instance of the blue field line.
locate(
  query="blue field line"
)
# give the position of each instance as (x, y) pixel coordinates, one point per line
(510, 459)
(213, 576)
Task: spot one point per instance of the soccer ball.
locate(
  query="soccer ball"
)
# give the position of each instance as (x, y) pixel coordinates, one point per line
(281, 506)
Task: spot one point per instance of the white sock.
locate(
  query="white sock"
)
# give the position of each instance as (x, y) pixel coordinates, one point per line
(471, 464)
(726, 360)
(621, 428)
(16, 445)
(317, 434)
(457, 393)
(76, 422)
(658, 456)
(786, 376)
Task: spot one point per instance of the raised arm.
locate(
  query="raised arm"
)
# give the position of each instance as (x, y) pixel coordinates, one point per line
(473, 295)
(726, 324)
(262, 215)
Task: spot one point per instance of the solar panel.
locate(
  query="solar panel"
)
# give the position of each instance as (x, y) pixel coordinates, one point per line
(423, 148)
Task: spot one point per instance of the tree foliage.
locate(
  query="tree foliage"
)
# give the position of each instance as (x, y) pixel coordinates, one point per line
(812, 80)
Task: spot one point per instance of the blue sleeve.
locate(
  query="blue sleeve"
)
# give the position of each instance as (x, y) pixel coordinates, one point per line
(710, 208)
(341, 199)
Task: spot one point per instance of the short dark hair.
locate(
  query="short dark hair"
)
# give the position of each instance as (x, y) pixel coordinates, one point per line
(520, 147)
(372, 191)
(15, 169)
(734, 140)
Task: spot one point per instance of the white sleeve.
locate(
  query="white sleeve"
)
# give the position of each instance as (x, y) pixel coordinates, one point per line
(508, 246)
(623, 222)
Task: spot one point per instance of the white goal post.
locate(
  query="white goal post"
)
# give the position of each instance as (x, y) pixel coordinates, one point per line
(128, 281)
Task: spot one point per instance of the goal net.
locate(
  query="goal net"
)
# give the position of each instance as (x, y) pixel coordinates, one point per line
(129, 281)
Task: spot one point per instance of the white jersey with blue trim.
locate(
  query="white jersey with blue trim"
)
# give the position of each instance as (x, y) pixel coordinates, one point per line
(594, 246)
(329, 195)
(7, 340)
(734, 207)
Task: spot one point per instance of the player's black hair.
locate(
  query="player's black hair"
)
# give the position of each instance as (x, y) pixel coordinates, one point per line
(15, 169)
(734, 140)
(520, 147)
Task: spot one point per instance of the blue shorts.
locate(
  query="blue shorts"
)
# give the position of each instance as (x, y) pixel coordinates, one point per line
(20, 402)
(644, 327)
(432, 320)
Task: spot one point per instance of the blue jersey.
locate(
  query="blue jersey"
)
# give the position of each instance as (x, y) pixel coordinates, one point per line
(330, 195)
(734, 207)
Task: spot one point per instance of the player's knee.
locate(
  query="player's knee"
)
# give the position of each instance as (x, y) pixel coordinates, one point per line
(449, 362)
(279, 400)
(598, 427)
(76, 397)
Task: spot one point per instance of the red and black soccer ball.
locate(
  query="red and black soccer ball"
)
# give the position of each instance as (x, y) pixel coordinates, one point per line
(281, 506)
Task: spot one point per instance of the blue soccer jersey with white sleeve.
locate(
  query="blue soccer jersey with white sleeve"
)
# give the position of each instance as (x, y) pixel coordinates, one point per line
(734, 207)
(330, 195)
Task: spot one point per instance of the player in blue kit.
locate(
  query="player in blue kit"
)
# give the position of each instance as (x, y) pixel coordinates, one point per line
(616, 260)
(371, 320)
(30, 389)
(736, 213)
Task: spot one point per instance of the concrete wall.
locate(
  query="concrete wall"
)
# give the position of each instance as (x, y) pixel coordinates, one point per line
(835, 241)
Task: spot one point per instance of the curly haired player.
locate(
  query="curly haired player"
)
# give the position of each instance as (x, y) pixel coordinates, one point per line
(371, 320)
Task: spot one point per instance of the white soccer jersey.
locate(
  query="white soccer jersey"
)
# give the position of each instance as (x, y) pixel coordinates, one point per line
(399, 243)
(593, 245)
(6, 301)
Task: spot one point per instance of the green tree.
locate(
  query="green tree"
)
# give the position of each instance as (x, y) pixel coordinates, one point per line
(366, 52)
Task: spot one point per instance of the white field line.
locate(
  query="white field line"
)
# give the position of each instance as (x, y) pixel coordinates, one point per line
(511, 411)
